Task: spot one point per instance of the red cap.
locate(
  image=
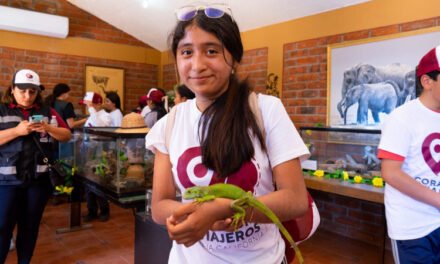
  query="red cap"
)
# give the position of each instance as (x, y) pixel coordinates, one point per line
(95, 98)
(143, 100)
(430, 62)
(155, 95)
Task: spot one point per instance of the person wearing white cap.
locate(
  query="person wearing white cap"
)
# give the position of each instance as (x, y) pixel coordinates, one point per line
(410, 153)
(24, 176)
(98, 116)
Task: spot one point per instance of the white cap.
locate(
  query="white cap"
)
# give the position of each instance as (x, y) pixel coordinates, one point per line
(25, 78)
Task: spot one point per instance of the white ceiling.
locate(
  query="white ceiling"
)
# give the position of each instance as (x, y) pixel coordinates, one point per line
(154, 23)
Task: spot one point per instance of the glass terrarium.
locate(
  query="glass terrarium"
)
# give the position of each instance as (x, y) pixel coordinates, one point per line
(117, 162)
(348, 149)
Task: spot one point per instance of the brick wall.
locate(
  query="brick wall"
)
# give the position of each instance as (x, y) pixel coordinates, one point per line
(305, 98)
(305, 70)
(54, 68)
(253, 66)
(351, 217)
(169, 76)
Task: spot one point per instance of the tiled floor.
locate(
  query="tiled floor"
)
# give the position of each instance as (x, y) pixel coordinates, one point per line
(112, 242)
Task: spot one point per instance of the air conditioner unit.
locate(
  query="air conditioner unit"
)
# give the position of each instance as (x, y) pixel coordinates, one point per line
(25, 21)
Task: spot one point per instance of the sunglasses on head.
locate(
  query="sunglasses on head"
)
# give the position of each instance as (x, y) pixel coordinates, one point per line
(186, 13)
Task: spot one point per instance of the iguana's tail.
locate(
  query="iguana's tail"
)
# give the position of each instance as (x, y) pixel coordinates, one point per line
(271, 215)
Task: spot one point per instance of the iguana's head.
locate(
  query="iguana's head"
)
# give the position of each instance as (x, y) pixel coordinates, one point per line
(196, 192)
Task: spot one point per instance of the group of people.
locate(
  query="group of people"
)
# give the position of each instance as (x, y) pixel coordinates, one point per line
(217, 138)
(24, 183)
(154, 105)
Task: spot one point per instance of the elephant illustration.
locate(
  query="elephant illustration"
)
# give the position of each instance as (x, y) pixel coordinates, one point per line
(367, 74)
(409, 87)
(380, 97)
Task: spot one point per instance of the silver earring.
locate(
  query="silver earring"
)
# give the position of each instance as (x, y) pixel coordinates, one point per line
(233, 72)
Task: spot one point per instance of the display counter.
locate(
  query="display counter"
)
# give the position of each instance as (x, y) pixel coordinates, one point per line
(114, 165)
(358, 191)
(348, 150)
(111, 164)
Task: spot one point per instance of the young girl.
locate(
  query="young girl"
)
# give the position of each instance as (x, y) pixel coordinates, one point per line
(183, 94)
(215, 138)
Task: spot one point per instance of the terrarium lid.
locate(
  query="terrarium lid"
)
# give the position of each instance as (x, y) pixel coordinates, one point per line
(133, 123)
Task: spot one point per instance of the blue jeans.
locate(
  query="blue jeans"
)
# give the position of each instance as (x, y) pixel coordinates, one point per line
(424, 250)
(22, 206)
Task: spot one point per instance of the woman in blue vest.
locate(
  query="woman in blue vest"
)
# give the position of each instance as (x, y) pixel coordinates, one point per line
(24, 181)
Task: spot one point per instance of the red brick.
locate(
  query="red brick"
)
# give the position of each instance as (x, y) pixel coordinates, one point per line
(388, 30)
(356, 35)
(419, 24)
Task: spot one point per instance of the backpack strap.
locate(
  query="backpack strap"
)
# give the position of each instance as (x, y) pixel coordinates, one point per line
(300, 228)
(253, 104)
(169, 127)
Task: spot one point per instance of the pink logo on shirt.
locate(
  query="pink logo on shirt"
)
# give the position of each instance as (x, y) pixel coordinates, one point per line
(191, 172)
(431, 152)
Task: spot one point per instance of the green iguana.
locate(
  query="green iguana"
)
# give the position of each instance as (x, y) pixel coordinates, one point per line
(242, 200)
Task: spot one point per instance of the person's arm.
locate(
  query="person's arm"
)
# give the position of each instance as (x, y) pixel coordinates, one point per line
(291, 187)
(69, 114)
(163, 202)
(75, 123)
(22, 129)
(60, 133)
(99, 118)
(393, 175)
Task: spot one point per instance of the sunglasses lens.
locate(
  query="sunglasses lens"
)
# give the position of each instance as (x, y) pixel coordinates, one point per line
(186, 13)
(214, 12)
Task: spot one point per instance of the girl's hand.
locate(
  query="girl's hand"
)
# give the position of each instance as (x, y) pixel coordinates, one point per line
(223, 225)
(192, 221)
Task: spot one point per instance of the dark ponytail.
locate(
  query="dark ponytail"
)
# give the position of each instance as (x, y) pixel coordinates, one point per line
(226, 123)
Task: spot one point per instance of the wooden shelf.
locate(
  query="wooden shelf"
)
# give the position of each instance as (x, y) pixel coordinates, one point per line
(358, 191)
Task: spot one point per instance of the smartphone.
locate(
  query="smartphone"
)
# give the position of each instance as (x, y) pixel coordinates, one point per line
(36, 118)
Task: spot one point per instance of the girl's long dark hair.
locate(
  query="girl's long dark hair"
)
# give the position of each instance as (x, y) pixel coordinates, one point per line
(226, 124)
(58, 90)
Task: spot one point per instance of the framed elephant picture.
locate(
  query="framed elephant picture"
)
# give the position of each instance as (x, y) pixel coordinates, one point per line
(369, 79)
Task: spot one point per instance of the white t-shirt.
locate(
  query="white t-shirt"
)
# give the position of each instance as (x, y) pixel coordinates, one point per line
(253, 243)
(145, 111)
(412, 131)
(116, 118)
(98, 118)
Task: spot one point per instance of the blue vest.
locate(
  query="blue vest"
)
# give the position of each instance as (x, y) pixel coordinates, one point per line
(20, 159)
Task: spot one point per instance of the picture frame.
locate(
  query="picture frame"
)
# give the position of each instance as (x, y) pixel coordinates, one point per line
(102, 79)
(361, 73)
